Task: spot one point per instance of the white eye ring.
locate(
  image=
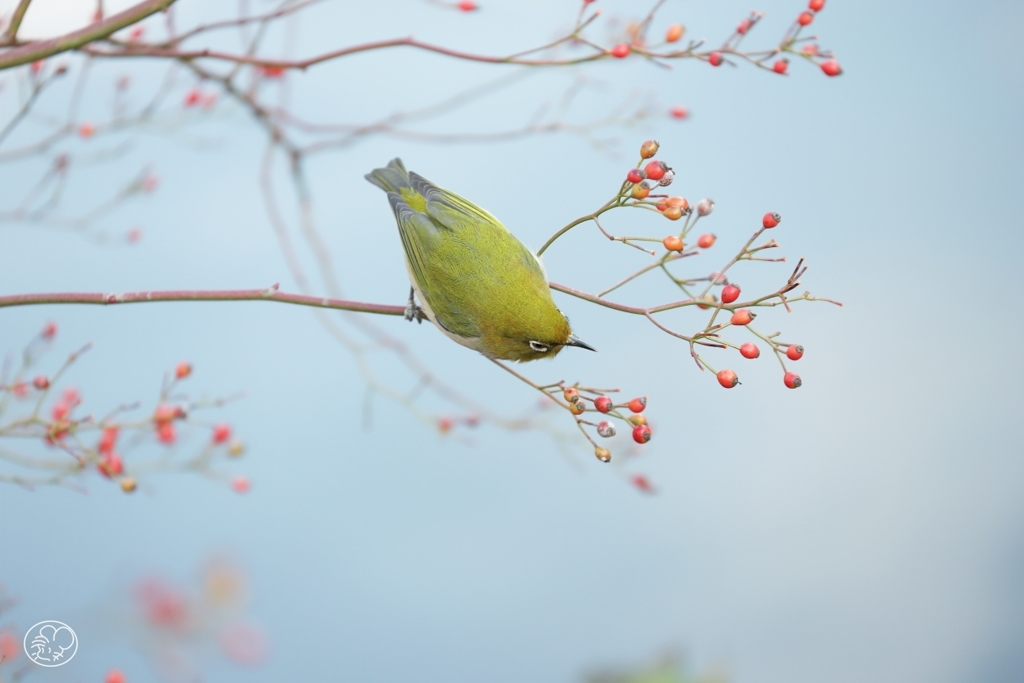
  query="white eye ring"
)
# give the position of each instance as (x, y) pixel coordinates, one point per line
(539, 348)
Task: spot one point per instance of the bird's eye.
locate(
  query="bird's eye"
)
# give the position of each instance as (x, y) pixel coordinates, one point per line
(539, 348)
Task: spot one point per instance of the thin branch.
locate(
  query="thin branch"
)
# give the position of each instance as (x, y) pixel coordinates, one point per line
(41, 49)
(269, 294)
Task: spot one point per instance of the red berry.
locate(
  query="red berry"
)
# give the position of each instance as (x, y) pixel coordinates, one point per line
(111, 465)
(603, 404)
(679, 112)
(620, 51)
(41, 382)
(107, 440)
(165, 432)
(727, 378)
(635, 175)
(705, 241)
(221, 433)
(831, 68)
(445, 424)
(241, 484)
(750, 350)
(744, 27)
(86, 130)
(183, 370)
(673, 243)
(805, 18)
(742, 317)
(641, 433)
(795, 352)
(730, 293)
(642, 483)
(467, 5)
(193, 97)
(770, 220)
(638, 404)
(816, 5)
(792, 380)
(715, 59)
(780, 66)
(49, 331)
(810, 49)
(655, 170)
(114, 676)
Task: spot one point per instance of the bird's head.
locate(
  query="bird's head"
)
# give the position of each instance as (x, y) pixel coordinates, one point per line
(530, 333)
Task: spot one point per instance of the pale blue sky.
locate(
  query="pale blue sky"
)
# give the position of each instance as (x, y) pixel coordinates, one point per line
(866, 527)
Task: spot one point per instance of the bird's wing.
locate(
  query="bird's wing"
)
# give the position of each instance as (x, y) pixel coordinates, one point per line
(419, 234)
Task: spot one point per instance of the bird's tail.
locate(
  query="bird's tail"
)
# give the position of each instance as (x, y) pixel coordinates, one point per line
(392, 178)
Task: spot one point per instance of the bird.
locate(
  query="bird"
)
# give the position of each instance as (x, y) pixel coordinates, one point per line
(473, 279)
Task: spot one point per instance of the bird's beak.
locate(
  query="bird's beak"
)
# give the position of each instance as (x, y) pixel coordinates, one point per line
(576, 341)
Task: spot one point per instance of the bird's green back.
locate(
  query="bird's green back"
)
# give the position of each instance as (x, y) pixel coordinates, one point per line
(477, 278)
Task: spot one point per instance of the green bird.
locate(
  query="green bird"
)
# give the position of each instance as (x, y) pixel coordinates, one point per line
(474, 280)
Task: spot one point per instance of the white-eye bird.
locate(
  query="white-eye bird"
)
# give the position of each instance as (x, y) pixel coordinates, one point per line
(474, 280)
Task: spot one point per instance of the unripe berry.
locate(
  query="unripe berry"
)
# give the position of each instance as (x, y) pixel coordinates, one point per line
(750, 350)
(183, 370)
(780, 66)
(571, 395)
(705, 207)
(603, 404)
(770, 220)
(655, 170)
(730, 293)
(241, 485)
(640, 191)
(673, 213)
(667, 179)
(236, 448)
(674, 33)
(805, 18)
(715, 59)
(673, 243)
(577, 408)
(620, 51)
(637, 404)
(831, 68)
(795, 352)
(641, 433)
(679, 112)
(706, 240)
(637, 420)
(710, 299)
(679, 202)
(635, 175)
(128, 485)
(727, 378)
(792, 380)
(41, 382)
(603, 454)
(606, 429)
(649, 149)
(742, 317)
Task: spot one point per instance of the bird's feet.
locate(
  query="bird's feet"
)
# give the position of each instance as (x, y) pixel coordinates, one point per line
(412, 311)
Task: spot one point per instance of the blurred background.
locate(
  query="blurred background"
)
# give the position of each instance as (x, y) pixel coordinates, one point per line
(869, 526)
